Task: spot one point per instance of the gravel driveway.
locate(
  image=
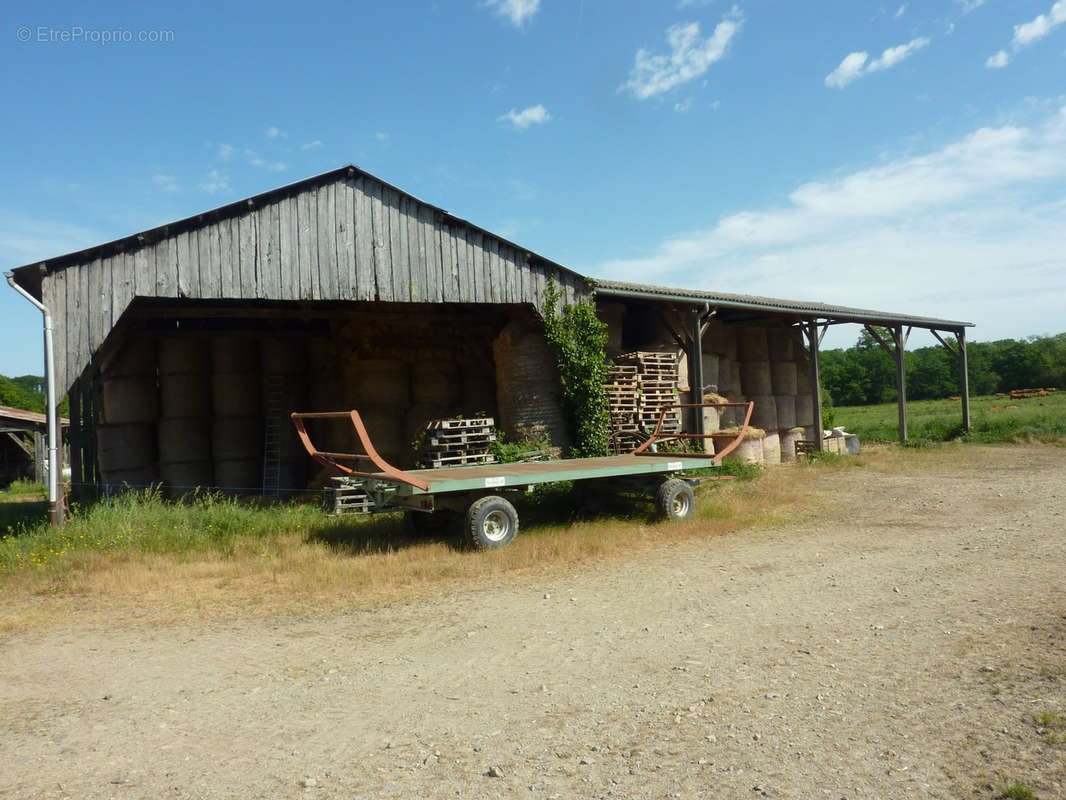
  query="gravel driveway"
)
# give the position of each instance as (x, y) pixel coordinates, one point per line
(909, 643)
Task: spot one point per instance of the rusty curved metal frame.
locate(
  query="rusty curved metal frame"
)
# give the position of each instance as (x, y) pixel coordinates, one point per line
(716, 458)
(330, 459)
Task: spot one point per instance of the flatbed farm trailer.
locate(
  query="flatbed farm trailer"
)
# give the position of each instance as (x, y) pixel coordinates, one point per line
(490, 519)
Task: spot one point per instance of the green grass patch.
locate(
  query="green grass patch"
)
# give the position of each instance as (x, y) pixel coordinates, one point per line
(1015, 791)
(24, 490)
(993, 420)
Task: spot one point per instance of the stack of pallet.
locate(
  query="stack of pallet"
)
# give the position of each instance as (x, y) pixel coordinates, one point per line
(638, 386)
(455, 442)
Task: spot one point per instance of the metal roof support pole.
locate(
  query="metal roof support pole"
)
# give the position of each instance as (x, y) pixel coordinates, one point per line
(695, 367)
(55, 510)
(901, 379)
(964, 379)
(813, 340)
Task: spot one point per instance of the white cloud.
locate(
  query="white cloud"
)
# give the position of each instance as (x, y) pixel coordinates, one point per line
(516, 12)
(683, 106)
(168, 183)
(311, 145)
(381, 136)
(1028, 32)
(274, 132)
(24, 240)
(256, 160)
(690, 57)
(855, 65)
(215, 182)
(969, 5)
(999, 60)
(225, 152)
(850, 69)
(962, 232)
(534, 115)
(900, 11)
(693, 3)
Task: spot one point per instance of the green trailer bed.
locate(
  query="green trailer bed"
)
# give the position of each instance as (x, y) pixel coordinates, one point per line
(491, 520)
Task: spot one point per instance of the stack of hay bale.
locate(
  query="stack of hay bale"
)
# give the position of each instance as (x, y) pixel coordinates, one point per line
(767, 366)
(639, 387)
(455, 442)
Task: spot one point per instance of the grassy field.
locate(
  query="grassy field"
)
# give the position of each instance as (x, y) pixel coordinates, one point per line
(992, 419)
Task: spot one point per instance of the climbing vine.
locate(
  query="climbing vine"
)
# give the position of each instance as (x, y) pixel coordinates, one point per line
(578, 339)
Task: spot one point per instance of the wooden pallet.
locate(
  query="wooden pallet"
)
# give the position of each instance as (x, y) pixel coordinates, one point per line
(437, 462)
(349, 499)
(466, 437)
(460, 424)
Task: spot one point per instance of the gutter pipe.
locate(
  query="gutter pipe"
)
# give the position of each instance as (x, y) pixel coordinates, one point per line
(54, 516)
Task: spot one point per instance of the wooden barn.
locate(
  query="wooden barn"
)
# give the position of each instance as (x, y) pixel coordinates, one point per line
(184, 348)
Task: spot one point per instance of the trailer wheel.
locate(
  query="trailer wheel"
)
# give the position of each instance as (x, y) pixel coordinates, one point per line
(491, 522)
(675, 499)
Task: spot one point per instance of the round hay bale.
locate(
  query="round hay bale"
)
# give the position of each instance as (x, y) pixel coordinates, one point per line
(185, 394)
(183, 354)
(755, 378)
(385, 426)
(788, 444)
(771, 448)
(733, 416)
(377, 381)
(135, 478)
(421, 413)
(749, 451)
(235, 393)
(239, 474)
(283, 356)
(137, 358)
(786, 411)
(804, 409)
(125, 447)
(724, 341)
(184, 439)
(181, 478)
(711, 363)
(764, 415)
(435, 382)
(130, 399)
(236, 437)
(752, 344)
(292, 476)
(234, 354)
(779, 341)
(810, 433)
(783, 377)
(803, 378)
(712, 419)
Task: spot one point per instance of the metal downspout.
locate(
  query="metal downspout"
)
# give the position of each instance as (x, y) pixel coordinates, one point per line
(54, 514)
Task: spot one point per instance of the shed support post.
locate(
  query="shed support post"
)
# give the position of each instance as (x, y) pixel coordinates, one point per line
(40, 456)
(76, 477)
(695, 368)
(813, 340)
(964, 379)
(901, 379)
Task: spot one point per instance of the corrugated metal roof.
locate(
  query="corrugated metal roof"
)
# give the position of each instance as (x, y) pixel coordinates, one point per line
(22, 415)
(800, 308)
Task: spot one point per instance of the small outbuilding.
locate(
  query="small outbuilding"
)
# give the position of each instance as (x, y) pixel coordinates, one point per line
(184, 348)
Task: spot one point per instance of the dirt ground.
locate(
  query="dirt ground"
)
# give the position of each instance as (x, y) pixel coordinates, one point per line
(909, 643)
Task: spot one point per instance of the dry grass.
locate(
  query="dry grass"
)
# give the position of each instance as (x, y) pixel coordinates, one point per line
(293, 573)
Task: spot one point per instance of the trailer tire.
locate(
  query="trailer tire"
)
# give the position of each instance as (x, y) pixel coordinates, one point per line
(491, 522)
(674, 499)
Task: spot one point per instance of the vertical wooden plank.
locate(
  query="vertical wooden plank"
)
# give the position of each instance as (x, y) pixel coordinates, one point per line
(415, 251)
(164, 254)
(248, 245)
(288, 249)
(327, 241)
(229, 283)
(379, 217)
(307, 251)
(476, 240)
(143, 272)
(343, 240)
(99, 303)
(84, 314)
(269, 226)
(462, 277)
(210, 273)
(429, 249)
(401, 265)
(186, 266)
(450, 261)
(54, 297)
(74, 323)
(122, 284)
(365, 284)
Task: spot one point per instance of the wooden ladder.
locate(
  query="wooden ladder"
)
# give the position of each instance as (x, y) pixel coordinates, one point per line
(273, 424)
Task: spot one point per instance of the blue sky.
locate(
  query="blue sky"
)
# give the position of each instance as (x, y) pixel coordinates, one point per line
(906, 156)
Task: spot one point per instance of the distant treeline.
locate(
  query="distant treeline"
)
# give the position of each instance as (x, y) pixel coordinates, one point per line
(864, 374)
(26, 391)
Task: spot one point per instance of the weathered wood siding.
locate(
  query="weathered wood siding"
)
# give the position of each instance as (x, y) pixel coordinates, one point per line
(351, 238)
